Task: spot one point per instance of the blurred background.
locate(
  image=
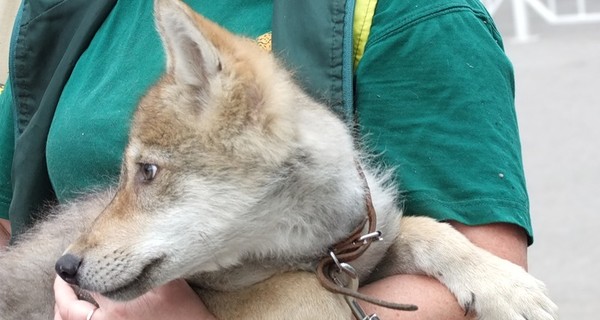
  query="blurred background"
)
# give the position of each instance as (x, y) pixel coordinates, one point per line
(555, 48)
(8, 9)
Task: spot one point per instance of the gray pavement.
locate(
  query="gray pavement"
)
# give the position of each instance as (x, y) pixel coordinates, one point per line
(558, 104)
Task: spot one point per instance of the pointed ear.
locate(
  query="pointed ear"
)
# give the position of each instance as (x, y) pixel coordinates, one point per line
(191, 57)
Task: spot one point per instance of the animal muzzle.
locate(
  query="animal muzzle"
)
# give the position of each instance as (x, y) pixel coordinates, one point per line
(67, 267)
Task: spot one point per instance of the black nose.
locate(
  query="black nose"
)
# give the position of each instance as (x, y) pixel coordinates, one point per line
(66, 267)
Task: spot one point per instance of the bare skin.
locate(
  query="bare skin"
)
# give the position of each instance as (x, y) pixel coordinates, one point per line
(4, 233)
(433, 298)
(175, 300)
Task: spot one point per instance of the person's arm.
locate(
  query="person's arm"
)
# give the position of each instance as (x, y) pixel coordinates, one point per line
(432, 297)
(435, 97)
(4, 233)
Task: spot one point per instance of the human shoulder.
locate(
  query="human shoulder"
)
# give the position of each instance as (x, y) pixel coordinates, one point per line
(407, 10)
(395, 16)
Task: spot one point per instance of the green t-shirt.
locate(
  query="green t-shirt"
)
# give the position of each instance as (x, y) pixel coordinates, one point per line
(433, 91)
(7, 136)
(435, 97)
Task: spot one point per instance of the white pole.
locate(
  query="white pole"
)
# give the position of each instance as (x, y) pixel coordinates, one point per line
(521, 21)
(8, 11)
(581, 7)
(552, 5)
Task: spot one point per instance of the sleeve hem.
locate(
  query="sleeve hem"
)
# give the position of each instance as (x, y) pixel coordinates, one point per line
(474, 212)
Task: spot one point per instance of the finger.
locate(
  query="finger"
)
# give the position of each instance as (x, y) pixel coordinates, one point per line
(174, 300)
(100, 299)
(56, 313)
(179, 292)
(172, 290)
(68, 306)
(96, 314)
(63, 291)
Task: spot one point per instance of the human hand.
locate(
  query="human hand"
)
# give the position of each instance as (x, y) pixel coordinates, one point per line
(174, 300)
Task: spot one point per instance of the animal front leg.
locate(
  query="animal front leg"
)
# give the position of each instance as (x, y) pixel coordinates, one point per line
(493, 288)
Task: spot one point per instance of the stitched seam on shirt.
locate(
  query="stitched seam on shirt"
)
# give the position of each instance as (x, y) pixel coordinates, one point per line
(513, 203)
(419, 17)
(45, 12)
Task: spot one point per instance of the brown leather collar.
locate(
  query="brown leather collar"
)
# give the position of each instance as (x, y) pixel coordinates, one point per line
(351, 249)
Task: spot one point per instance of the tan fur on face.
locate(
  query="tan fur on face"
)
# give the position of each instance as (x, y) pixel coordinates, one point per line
(243, 109)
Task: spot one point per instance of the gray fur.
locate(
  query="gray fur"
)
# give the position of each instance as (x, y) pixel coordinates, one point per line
(27, 268)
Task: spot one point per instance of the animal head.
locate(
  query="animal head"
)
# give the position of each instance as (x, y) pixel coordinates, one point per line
(227, 161)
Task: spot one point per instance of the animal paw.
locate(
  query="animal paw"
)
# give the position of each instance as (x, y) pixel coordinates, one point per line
(507, 292)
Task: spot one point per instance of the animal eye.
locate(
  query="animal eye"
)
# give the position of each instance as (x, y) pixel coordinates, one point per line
(148, 171)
